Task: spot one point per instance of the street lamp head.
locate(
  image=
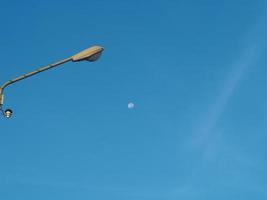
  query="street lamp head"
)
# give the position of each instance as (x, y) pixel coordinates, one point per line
(91, 54)
(8, 113)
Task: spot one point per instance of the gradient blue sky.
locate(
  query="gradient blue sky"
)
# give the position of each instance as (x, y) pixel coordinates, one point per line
(196, 71)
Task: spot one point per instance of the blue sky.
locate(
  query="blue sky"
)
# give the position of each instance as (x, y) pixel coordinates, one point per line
(195, 70)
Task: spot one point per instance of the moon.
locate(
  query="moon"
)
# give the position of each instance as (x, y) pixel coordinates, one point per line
(130, 105)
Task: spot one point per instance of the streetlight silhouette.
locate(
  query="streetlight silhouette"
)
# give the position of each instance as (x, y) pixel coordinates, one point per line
(91, 54)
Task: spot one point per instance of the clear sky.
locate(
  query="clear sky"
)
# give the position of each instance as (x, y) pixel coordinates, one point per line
(195, 71)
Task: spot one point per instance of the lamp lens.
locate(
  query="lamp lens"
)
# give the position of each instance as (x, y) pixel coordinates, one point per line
(94, 57)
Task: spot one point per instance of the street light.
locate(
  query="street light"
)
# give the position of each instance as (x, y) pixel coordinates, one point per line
(91, 54)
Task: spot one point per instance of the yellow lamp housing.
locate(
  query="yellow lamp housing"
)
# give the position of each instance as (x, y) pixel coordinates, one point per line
(91, 54)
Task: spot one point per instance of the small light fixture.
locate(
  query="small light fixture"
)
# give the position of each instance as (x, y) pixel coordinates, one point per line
(8, 113)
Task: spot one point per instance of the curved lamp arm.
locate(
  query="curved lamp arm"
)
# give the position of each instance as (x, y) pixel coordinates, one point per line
(34, 72)
(39, 70)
